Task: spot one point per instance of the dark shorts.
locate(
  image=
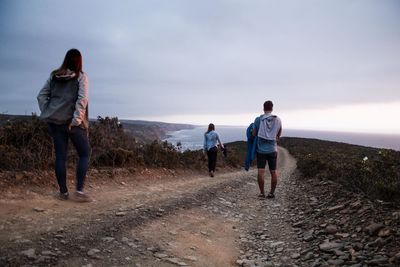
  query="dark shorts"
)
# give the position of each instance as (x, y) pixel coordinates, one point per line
(263, 158)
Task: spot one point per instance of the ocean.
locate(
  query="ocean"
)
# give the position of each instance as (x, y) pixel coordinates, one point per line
(192, 139)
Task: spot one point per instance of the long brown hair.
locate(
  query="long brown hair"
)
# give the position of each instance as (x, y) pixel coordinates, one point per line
(72, 61)
(211, 127)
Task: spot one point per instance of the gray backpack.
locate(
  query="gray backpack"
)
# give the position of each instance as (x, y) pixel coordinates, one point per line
(62, 99)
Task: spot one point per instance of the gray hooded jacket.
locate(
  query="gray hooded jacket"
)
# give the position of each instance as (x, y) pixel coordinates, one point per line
(64, 99)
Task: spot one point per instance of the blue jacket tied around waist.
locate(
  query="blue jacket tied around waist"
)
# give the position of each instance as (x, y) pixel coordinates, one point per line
(251, 147)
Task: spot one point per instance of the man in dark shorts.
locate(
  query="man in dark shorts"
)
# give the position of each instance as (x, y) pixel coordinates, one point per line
(267, 128)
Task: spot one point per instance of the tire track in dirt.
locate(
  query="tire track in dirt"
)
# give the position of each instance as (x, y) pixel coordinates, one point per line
(139, 227)
(73, 239)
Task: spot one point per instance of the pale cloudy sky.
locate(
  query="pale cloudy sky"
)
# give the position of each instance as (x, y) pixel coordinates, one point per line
(329, 65)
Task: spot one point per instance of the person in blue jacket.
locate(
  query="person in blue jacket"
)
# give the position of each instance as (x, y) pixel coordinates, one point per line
(267, 129)
(211, 140)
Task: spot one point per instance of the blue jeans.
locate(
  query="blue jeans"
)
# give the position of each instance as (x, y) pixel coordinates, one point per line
(79, 137)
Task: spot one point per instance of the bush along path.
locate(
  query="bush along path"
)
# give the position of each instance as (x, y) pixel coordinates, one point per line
(25, 145)
(203, 221)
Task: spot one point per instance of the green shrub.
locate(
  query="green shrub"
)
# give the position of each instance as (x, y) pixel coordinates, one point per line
(114, 157)
(374, 171)
(161, 154)
(25, 144)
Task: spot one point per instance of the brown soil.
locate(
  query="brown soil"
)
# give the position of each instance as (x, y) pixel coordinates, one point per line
(132, 218)
(193, 233)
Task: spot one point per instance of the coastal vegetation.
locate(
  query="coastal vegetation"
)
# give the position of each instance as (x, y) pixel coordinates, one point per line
(376, 172)
(25, 145)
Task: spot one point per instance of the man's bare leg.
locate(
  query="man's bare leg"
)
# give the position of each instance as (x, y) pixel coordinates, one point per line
(274, 181)
(260, 179)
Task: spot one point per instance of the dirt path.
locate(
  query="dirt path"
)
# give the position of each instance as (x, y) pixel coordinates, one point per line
(199, 221)
(144, 223)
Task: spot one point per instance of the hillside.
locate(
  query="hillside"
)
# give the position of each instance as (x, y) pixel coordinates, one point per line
(142, 131)
(376, 172)
(146, 131)
(6, 118)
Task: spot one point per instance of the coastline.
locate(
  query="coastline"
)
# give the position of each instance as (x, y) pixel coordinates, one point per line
(192, 138)
(148, 131)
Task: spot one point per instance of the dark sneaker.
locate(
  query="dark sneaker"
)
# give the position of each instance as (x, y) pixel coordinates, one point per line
(261, 196)
(211, 174)
(82, 197)
(271, 195)
(62, 196)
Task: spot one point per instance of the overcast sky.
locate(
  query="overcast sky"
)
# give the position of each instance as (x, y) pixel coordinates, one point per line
(203, 61)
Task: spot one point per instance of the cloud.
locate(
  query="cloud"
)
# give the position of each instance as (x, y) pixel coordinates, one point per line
(367, 117)
(168, 58)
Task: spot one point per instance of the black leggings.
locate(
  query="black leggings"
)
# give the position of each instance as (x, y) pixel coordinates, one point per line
(212, 158)
(61, 134)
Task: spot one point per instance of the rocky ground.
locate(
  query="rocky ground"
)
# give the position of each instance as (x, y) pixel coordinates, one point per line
(318, 223)
(203, 221)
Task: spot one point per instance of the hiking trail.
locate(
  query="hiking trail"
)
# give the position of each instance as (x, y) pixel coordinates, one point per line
(197, 221)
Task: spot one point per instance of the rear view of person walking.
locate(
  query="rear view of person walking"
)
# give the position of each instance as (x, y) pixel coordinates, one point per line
(63, 102)
(211, 140)
(267, 128)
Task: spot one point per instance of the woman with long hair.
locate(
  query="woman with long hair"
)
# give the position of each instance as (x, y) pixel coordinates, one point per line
(63, 102)
(211, 140)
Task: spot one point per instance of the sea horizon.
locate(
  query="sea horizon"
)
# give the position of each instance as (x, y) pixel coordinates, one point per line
(192, 139)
